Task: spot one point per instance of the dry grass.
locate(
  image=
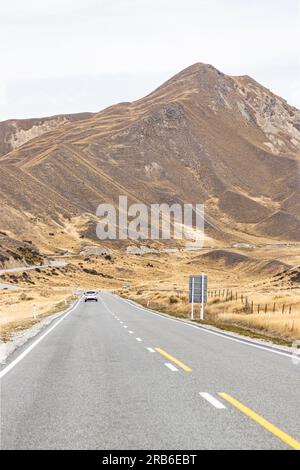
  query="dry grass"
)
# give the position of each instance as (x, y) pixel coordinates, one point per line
(8, 328)
(287, 326)
(273, 325)
(220, 312)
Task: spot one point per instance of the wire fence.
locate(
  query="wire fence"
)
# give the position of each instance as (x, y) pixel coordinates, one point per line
(247, 305)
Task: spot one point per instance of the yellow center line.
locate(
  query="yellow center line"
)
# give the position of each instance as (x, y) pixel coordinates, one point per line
(176, 361)
(262, 421)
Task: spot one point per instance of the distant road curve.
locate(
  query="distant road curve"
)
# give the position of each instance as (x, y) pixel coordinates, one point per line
(8, 286)
(52, 264)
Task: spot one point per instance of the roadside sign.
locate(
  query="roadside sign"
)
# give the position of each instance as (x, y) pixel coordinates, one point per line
(197, 281)
(198, 293)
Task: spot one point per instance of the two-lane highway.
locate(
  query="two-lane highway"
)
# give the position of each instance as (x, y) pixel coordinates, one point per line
(113, 375)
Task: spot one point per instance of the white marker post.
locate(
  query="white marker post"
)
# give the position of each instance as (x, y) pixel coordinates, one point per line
(193, 283)
(202, 298)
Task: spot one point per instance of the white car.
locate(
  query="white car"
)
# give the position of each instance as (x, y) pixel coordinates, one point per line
(91, 295)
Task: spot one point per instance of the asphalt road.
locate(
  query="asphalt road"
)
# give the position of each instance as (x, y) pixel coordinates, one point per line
(8, 287)
(111, 375)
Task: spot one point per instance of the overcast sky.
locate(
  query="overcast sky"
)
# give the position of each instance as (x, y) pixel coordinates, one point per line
(65, 56)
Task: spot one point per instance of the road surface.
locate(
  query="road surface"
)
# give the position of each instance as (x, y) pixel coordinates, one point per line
(112, 375)
(8, 287)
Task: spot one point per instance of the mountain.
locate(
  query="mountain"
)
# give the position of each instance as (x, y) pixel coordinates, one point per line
(202, 137)
(15, 132)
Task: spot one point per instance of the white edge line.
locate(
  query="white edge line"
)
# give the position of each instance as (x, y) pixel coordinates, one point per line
(171, 367)
(10, 366)
(212, 400)
(200, 328)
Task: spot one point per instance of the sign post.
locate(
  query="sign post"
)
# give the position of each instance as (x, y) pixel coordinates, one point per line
(193, 290)
(202, 298)
(198, 293)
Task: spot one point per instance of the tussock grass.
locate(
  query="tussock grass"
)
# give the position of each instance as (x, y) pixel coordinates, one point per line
(230, 315)
(283, 325)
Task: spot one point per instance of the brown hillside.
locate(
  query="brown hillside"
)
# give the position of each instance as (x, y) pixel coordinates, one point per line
(201, 137)
(15, 132)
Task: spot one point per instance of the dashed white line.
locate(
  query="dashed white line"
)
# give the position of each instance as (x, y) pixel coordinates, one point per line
(151, 350)
(138, 339)
(212, 400)
(131, 332)
(125, 326)
(171, 367)
(121, 322)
